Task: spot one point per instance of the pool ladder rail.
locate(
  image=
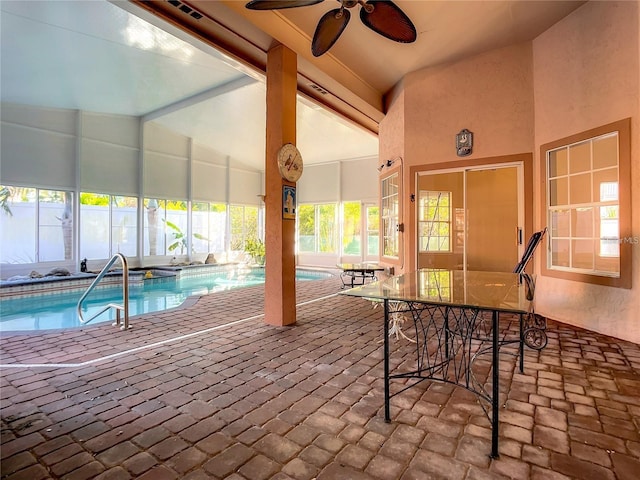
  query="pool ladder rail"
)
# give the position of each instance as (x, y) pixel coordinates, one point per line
(125, 294)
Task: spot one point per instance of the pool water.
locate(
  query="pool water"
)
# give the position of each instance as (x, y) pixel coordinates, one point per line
(60, 310)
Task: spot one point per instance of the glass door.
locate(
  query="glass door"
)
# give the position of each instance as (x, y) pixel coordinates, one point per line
(470, 219)
(441, 233)
(492, 219)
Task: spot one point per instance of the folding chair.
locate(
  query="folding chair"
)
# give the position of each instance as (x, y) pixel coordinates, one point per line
(532, 244)
(535, 325)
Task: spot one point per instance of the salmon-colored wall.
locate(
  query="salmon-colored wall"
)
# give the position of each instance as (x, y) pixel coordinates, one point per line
(490, 94)
(587, 74)
(393, 148)
(581, 73)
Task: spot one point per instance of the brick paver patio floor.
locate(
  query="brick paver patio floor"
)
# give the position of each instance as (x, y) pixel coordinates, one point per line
(211, 391)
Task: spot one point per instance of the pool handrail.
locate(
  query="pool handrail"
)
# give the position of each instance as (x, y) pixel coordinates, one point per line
(125, 294)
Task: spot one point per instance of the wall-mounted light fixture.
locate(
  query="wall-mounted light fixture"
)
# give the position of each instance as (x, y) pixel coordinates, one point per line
(387, 164)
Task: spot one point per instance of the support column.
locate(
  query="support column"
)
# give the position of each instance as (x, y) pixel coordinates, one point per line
(280, 268)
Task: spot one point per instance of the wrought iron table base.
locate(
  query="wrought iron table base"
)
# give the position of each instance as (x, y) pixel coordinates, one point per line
(447, 342)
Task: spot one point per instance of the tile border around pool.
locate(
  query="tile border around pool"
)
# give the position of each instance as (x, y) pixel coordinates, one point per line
(80, 282)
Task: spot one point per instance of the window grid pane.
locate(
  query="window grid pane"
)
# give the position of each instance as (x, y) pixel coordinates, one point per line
(583, 207)
(390, 201)
(434, 221)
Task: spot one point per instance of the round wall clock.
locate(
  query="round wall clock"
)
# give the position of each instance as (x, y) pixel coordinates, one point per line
(290, 162)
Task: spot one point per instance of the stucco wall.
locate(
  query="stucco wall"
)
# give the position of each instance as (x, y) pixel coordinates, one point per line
(586, 74)
(580, 74)
(392, 126)
(490, 94)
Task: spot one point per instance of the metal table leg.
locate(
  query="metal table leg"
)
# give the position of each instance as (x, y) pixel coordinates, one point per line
(496, 388)
(521, 343)
(387, 400)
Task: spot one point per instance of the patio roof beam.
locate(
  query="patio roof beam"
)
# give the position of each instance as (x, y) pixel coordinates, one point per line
(199, 97)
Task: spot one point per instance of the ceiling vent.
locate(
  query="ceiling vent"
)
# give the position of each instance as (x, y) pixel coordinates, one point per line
(186, 9)
(318, 89)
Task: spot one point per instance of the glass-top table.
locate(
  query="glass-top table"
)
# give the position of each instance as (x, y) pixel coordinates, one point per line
(454, 327)
(505, 292)
(354, 274)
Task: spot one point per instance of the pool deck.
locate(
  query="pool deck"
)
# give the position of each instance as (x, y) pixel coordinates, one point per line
(210, 391)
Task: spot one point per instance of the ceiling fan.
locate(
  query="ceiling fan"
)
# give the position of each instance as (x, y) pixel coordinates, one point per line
(382, 16)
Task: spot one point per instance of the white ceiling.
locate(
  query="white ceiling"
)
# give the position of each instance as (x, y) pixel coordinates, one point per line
(95, 56)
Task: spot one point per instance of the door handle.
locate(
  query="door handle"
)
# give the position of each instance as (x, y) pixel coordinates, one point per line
(519, 235)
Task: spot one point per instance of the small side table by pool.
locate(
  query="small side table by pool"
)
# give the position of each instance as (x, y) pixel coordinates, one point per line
(354, 274)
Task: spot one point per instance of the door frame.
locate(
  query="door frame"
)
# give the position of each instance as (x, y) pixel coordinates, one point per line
(525, 159)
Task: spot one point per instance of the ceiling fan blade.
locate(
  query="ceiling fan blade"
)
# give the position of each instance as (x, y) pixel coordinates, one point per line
(279, 4)
(329, 29)
(388, 20)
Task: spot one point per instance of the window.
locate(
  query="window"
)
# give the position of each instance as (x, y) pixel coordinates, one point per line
(351, 228)
(434, 221)
(55, 225)
(154, 214)
(217, 227)
(35, 225)
(587, 205)
(327, 228)
(17, 225)
(165, 227)
(317, 228)
(209, 226)
(124, 225)
(244, 225)
(306, 228)
(176, 224)
(390, 216)
(108, 225)
(94, 226)
(373, 231)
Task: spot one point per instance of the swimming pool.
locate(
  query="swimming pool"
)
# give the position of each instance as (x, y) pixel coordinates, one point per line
(54, 311)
